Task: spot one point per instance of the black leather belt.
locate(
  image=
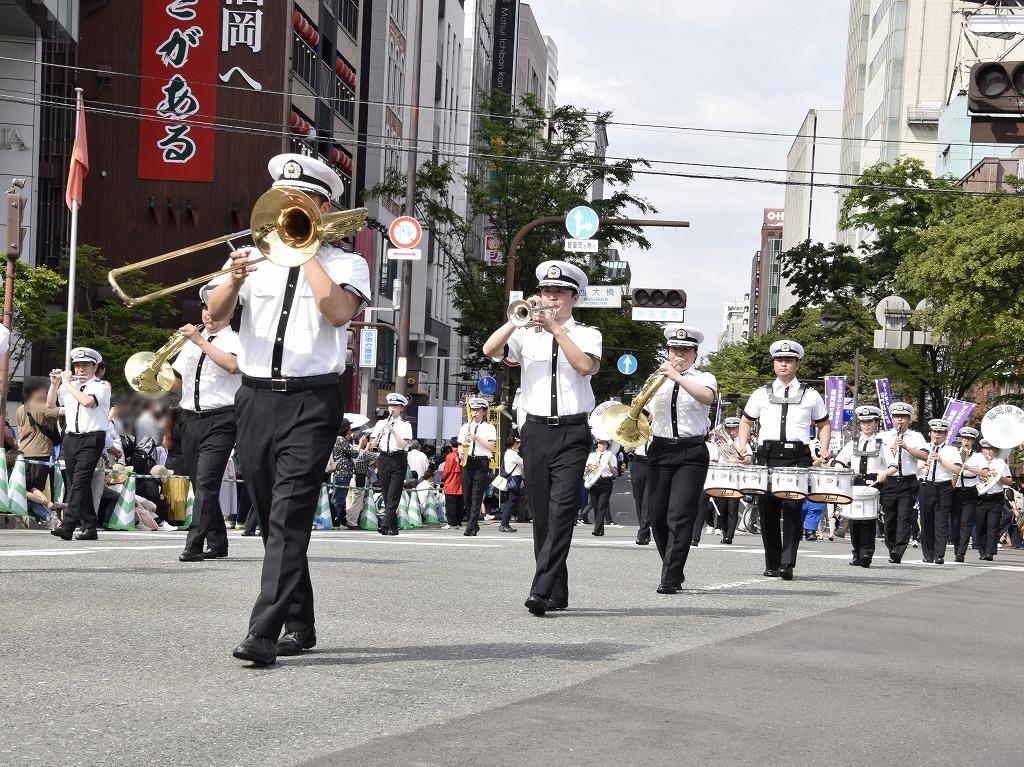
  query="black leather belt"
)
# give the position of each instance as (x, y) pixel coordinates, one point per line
(291, 384)
(558, 420)
(208, 413)
(898, 478)
(84, 433)
(679, 440)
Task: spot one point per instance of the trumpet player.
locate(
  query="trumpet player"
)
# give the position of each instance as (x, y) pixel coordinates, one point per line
(786, 410)
(86, 402)
(556, 365)
(994, 476)
(390, 438)
(935, 492)
(897, 497)
(677, 455)
(477, 439)
(206, 374)
(289, 406)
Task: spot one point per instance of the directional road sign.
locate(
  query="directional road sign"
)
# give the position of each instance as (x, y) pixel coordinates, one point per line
(582, 222)
(626, 364)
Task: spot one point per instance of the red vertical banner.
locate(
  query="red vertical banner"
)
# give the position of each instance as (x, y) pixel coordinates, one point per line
(178, 94)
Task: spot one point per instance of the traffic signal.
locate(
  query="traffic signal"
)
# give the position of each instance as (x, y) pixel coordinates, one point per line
(996, 87)
(660, 298)
(15, 206)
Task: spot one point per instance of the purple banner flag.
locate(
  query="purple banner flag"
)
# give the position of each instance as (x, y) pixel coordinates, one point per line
(884, 400)
(957, 413)
(835, 398)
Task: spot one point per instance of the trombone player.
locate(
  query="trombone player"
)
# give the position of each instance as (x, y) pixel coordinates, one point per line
(206, 373)
(678, 456)
(289, 405)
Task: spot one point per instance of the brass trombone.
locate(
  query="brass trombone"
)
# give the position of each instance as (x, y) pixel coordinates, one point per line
(288, 228)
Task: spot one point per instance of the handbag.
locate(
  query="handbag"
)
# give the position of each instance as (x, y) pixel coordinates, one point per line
(500, 483)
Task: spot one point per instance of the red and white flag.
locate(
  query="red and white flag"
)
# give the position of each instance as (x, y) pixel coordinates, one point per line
(79, 160)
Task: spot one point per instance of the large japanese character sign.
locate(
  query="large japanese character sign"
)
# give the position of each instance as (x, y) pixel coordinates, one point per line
(178, 96)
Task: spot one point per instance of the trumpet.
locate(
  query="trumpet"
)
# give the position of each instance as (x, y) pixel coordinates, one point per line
(288, 228)
(150, 373)
(523, 314)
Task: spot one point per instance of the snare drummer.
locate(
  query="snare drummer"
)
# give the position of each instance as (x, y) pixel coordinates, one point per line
(935, 492)
(905, 446)
(786, 410)
(866, 456)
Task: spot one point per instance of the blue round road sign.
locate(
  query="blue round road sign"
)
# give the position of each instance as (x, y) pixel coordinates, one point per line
(487, 385)
(582, 222)
(626, 364)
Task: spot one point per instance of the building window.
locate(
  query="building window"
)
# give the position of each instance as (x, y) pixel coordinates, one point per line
(348, 17)
(304, 61)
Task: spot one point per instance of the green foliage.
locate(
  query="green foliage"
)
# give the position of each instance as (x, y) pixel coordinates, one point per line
(107, 325)
(33, 320)
(819, 273)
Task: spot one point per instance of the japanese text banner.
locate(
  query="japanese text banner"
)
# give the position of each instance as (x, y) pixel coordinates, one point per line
(178, 92)
(957, 413)
(835, 398)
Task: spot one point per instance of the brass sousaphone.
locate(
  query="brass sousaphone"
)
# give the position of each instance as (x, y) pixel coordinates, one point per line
(288, 229)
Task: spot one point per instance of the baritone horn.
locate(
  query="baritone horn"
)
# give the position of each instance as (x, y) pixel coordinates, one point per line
(288, 228)
(628, 425)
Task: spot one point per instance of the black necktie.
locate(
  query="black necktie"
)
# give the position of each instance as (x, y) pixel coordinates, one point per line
(78, 407)
(199, 372)
(785, 414)
(554, 376)
(935, 462)
(472, 442)
(675, 423)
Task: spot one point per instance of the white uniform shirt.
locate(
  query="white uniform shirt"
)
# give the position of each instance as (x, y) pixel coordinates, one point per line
(691, 416)
(217, 386)
(532, 351)
(513, 463)
(606, 460)
(485, 431)
(388, 443)
(82, 419)
(970, 480)
(998, 465)
(936, 472)
(419, 464)
(799, 417)
(312, 346)
(905, 463)
(876, 464)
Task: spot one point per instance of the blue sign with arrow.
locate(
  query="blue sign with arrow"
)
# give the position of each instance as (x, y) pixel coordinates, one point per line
(582, 222)
(487, 385)
(626, 364)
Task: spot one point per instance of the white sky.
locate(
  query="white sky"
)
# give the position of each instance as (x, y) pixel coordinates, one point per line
(749, 65)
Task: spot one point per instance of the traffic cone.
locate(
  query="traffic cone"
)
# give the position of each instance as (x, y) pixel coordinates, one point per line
(17, 503)
(123, 517)
(415, 515)
(4, 500)
(403, 511)
(429, 506)
(322, 520)
(190, 501)
(57, 496)
(368, 515)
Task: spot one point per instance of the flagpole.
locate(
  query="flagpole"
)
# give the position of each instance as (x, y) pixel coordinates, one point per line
(72, 256)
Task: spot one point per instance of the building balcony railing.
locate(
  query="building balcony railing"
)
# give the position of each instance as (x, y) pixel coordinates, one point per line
(923, 114)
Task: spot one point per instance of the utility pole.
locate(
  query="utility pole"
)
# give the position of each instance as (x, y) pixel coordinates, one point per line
(15, 205)
(405, 279)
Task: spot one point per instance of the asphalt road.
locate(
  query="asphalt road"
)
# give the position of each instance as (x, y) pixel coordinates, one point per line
(116, 654)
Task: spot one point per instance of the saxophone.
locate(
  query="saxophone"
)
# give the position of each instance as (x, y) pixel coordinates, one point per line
(965, 453)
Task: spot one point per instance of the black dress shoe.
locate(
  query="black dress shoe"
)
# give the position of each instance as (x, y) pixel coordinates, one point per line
(940, 561)
(215, 553)
(958, 558)
(63, 533)
(536, 604)
(865, 563)
(727, 541)
(854, 562)
(506, 529)
(257, 648)
(190, 556)
(391, 532)
(928, 561)
(695, 543)
(669, 588)
(771, 572)
(557, 604)
(469, 533)
(294, 642)
(248, 533)
(596, 533)
(643, 541)
(895, 559)
(87, 535)
(786, 572)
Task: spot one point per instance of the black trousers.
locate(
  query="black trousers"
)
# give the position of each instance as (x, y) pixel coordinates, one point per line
(553, 462)
(474, 482)
(284, 441)
(391, 470)
(676, 493)
(989, 515)
(936, 499)
(206, 442)
(638, 475)
(601, 495)
(897, 498)
(862, 539)
(782, 521)
(966, 499)
(453, 509)
(728, 513)
(81, 454)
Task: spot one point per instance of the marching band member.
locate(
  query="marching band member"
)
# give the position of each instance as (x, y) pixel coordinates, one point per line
(86, 402)
(602, 467)
(965, 496)
(728, 508)
(935, 492)
(288, 409)
(390, 437)
(786, 410)
(898, 495)
(678, 456)
(638, 474)
(994, 472)
(866, 455)
(207, 375)
(477, 439)
(557, 358)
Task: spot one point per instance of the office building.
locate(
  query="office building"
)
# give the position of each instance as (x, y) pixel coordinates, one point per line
(765, 276)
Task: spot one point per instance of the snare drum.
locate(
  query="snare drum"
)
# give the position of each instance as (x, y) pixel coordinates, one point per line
(789, 482)
(864, 505)
(753, 480)
(722, 481)
(831, 486)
